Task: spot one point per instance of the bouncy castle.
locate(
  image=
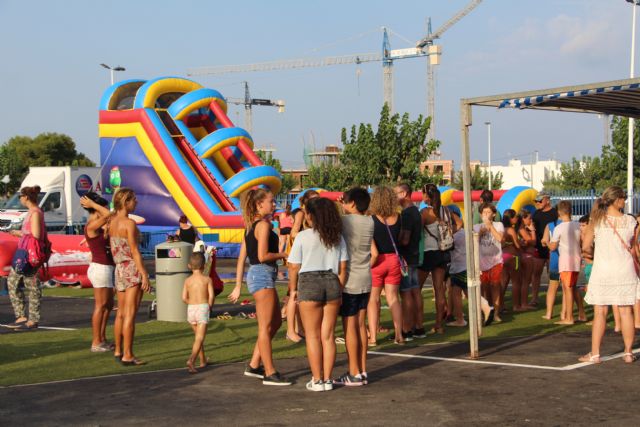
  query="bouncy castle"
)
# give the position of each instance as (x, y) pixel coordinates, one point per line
(171, 141)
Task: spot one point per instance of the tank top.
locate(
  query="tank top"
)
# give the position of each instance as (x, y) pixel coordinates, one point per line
(252, 245)
(100, 250)
(381, 235)
(188, 235)
(286, 221)
(431, 234)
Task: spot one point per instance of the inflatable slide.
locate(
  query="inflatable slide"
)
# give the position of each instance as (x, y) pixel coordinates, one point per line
(171, 141)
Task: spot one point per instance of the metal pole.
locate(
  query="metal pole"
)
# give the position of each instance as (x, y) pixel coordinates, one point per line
(476, 279)
(472, 284)
(531, 169)
(631, 120)
(489, 149)
(111, 72)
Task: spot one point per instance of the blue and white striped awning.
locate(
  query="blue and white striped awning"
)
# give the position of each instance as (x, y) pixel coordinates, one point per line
(622, 100)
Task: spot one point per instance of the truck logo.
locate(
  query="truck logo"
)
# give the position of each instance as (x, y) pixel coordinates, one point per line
(83, 185)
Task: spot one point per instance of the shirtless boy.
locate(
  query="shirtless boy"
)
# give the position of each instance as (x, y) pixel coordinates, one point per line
(198, 294)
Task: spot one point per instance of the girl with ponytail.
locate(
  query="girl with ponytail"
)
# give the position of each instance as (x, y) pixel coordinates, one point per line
(261, 245)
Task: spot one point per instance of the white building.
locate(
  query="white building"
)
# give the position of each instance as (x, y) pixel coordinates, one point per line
(518, 173)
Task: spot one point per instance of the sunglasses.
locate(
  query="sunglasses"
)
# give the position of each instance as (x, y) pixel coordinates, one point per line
(538, 200)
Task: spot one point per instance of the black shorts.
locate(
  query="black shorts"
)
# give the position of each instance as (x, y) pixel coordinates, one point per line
(459, 280)
(435, 259)
(353, 303)
(318, 286)
(285, 231)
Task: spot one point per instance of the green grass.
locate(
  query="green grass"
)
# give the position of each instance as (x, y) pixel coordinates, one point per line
(56, 355)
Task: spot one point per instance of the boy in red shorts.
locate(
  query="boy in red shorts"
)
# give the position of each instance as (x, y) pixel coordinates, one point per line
(566, 238)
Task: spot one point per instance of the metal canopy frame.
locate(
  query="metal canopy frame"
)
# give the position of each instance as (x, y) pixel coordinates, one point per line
(617, 97)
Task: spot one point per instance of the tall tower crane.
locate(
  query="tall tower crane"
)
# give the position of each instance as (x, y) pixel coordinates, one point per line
(435, 51)
(249, 102)
(424, 47)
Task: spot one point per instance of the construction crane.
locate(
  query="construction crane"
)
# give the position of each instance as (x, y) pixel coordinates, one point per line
(435, 51)
(424, 47)
(249, 102)
(387, 56)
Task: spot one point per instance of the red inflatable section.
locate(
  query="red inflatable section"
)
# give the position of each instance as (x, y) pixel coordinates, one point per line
(68, 264)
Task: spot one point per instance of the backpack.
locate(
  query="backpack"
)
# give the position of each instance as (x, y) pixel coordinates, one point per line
(39, 249)
(445, 231)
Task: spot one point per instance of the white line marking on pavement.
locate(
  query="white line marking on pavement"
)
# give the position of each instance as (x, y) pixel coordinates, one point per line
(53, 328)
(514, 365)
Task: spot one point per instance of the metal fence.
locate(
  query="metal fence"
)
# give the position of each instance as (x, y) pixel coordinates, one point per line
(582, 200)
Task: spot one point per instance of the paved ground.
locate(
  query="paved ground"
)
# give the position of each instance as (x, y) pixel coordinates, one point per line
(533, 380)
(403, 390)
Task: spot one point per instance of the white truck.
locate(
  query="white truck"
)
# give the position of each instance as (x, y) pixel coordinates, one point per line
(60, 190)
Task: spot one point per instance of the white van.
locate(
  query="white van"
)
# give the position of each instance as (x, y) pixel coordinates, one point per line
(60, 190)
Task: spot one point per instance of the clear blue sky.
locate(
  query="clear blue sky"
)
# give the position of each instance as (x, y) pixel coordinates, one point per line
(51, 80)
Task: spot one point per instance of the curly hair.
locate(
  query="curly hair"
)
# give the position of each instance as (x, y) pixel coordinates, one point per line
(384, 202)
(326, 220)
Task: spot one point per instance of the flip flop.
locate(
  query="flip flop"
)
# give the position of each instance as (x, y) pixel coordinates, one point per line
(245, 302)
(340, 340)
(133, 362)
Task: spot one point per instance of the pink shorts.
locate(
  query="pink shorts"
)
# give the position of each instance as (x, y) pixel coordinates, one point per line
(386, 271)
(198, 313)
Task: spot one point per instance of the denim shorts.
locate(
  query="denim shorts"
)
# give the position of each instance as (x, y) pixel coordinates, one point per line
(410, 281)
(319, 286)
(261, 276)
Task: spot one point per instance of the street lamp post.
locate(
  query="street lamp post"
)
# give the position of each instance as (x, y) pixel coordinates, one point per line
(630, 144)
(489, 149)
(112, 69)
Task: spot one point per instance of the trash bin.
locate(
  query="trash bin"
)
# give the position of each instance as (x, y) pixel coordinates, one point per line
(172, 268)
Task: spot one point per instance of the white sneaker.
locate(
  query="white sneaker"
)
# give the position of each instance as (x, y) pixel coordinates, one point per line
(328, 385)
(316, 385)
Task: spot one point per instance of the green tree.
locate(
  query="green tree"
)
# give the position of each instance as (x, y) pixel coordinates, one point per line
(479, 179)
(610, 168)
(390, 154)
(288, 181)
(47, 149)
(327, 176)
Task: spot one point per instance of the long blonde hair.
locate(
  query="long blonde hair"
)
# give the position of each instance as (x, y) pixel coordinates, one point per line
(249, 205)
(609, 196)
(384, 202)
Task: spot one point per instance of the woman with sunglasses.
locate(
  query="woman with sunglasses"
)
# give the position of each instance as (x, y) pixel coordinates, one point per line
(32, 227)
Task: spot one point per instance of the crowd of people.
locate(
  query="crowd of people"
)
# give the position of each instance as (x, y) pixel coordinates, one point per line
(343, 258)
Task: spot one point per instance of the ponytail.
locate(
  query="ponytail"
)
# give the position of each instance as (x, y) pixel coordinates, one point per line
(249, 205)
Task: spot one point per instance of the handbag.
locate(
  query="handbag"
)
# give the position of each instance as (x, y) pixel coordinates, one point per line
(404, 268)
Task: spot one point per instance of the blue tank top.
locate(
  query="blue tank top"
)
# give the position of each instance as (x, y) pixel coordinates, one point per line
(554, 256)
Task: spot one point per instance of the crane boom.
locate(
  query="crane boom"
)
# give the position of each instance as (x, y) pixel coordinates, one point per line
(464, 12)
(287, 64)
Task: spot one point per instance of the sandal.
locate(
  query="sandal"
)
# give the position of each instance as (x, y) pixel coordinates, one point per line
(132, 362)
(590, 358)
(631, 356)
(372, 343)
(340, 340)
(292, 340)
(435, 330)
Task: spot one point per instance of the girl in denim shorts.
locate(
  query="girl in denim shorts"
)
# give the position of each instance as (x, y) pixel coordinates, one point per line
(260, 245)
(317, 272)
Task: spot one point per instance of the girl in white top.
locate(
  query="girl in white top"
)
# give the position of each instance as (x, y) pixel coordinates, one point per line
(491, 237)
(317, 273)
(613, 279)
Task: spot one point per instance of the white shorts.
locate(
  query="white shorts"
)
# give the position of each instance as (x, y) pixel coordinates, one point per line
(100, 275)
